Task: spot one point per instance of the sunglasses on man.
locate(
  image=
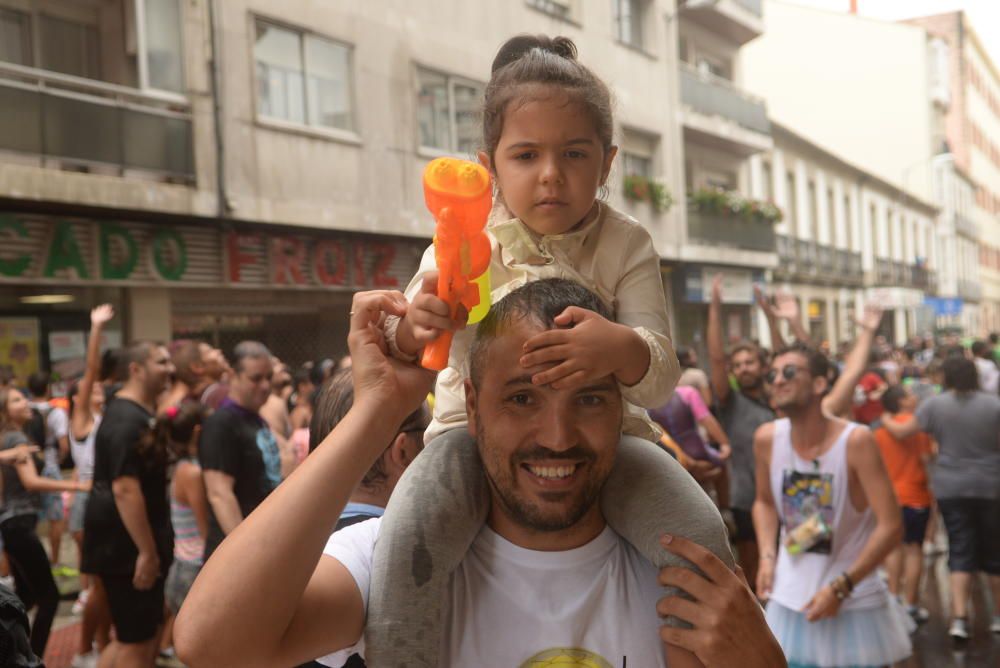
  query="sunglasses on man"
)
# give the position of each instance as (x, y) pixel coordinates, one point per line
(787, 372)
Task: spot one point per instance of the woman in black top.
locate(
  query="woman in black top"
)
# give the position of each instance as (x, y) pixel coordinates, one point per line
(19, 515)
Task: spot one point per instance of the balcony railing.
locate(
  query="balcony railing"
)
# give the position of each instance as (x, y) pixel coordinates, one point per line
(966, 226)
(90, 122)
(808, 261)
(884, 272)
(721, 230)
(715, 96)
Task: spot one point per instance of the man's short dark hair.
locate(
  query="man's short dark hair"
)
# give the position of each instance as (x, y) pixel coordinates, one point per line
(892, 396)
(113, 366)
(541, 301)
(185, 354)
(749, 347)
(980, 348)
(138, 352)
(245, 350)
(38, 383)
(960, 374)
(994, 338)
(684, 357)
(818, 364)
(333, 403)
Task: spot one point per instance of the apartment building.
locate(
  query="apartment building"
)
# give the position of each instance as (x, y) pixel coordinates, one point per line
(972, 132)
(848, 238)
(880, 95)
(231, 170)
(727, 232)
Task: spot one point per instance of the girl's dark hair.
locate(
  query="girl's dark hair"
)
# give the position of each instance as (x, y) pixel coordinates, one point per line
(527, 60)
(684, 357)
(960, 374)
(171, 433)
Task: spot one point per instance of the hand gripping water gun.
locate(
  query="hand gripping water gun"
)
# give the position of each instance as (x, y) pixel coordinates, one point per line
(459, 195)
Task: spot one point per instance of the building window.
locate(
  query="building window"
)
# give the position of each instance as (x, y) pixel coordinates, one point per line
(448, 112)
(628, 21)
(70, 47)
(848, 223)
(637, 152)
(792, 203)
(164, 45)
(302, 78)
(561, 9)
(15, 37)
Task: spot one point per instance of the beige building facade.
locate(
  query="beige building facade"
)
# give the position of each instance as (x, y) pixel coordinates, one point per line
(230, 170)
(886, 104)
(849, 238)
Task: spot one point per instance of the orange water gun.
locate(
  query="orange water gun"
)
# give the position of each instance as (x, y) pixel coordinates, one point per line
(459, 195)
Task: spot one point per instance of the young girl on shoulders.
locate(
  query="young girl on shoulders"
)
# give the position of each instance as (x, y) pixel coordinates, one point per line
(548, 142)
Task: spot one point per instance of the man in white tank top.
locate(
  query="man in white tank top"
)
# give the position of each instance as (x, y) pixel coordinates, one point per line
(825, 500)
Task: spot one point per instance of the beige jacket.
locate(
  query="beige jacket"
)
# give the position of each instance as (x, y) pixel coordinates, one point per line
(613, 255)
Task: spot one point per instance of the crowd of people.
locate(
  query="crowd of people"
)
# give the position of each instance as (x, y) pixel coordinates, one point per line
(583, 485)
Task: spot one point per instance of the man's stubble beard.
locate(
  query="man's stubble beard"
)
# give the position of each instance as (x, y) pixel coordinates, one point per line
(503, 480)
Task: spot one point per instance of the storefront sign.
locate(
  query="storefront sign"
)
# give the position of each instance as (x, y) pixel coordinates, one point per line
(944, 306)
(45, 249)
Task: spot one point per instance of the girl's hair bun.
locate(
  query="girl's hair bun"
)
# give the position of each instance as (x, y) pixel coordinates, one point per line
(516, 47)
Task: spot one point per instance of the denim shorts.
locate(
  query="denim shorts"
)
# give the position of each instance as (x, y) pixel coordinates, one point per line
(915, 524)
(973, 527)
(77, 511)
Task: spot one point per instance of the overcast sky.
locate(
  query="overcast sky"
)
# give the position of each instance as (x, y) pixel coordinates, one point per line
(984, 14)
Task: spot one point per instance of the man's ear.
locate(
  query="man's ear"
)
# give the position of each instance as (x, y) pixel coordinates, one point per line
(470, 406)
(399, 457)
(821, 385)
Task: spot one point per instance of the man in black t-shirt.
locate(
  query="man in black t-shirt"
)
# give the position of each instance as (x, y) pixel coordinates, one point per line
(128, 541)
(239, 455)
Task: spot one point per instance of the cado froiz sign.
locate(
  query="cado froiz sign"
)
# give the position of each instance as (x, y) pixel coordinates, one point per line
(46, 249)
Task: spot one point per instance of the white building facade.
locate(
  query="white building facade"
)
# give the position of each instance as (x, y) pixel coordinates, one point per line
(880, 95)
(232, 170)
(848, 238)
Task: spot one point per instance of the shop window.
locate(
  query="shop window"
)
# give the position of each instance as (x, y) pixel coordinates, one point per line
(448, 112)
(303, 78)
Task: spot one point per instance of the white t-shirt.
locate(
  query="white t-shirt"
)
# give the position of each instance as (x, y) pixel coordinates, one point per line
(989, 375)
(521, 608)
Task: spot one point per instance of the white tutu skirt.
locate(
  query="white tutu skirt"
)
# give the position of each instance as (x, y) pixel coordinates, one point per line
(852, 639)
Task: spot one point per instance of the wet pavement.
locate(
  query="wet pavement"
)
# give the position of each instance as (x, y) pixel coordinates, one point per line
(932, 647)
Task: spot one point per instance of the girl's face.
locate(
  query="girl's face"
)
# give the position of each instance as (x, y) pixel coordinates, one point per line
(18, 408)
(549, 163)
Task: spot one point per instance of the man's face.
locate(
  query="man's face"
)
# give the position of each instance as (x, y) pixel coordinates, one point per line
(155, 372)
(792, 387)
(747, 369)
(546, 452)
(251, 383)
(213, 361)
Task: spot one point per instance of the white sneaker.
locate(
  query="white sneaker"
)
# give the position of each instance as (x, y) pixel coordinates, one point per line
(959, 629)
(88, 660)
(919, 615)
(81, 602)
(995, 624)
